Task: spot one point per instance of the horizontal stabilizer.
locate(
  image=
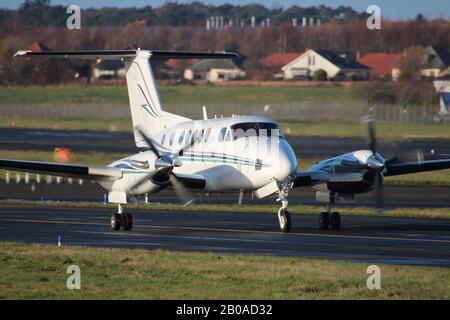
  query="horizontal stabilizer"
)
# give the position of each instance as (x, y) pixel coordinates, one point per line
(125, 54)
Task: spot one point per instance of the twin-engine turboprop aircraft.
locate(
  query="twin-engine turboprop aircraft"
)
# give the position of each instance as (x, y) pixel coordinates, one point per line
(234, 154)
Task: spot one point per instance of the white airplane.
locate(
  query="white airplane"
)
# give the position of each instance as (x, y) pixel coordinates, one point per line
(233, 154)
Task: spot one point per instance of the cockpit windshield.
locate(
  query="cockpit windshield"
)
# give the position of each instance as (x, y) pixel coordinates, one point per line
(259, 129)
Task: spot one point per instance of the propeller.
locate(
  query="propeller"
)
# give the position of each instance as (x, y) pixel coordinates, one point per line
(375, 163)
(165, 163)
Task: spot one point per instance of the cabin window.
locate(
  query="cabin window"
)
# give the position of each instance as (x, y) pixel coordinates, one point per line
(206, 135)
(172, 137)
(187, 137)
(180, 139)
(163, 139)
(228, 135)
(222, 134)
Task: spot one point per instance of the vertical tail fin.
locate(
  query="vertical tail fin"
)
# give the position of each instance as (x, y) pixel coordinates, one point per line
(145, 103)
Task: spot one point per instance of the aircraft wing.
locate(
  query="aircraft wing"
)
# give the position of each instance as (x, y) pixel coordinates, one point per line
(400, 168)
(62, 170)
(309, 178)
(191, 181)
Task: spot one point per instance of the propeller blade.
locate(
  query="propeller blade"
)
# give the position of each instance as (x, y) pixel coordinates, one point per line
(370, 124)
(150, 142)
(192, 141)
(181, 191)
(379, 196)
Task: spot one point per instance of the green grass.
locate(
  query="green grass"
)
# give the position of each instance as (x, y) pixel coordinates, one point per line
(177, 95)
(32, 271)
(383, 130)
(342, 121)
(429, 213)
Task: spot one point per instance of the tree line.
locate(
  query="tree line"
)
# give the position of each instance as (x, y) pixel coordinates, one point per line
(173, 14)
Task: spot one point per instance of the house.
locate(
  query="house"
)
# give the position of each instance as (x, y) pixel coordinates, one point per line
(111, 69)
(108, 69)
(437, 61)
(275, 61)
(331, 64)
(382, 65)
(213, 70)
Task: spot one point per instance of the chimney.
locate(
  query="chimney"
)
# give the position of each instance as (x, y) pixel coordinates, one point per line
(304, 22)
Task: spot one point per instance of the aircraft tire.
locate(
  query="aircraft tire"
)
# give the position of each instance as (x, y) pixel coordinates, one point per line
(115, 221)
(284, 219)
(324, 220)
(335, 221)
(127, 221)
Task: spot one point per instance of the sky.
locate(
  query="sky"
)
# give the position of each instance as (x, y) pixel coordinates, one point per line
(392, 9)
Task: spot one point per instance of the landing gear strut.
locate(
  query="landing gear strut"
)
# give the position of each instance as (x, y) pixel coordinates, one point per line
(329, 219)
(284, 217)
(121, 219)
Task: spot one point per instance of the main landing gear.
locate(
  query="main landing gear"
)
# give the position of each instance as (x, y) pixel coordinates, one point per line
(284, 217)
(329, 219)
(121, 219)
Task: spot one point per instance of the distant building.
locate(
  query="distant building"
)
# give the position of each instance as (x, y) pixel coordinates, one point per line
(333, 64)
(213, 70)
(382, 65)
(275, 61)
(437, 61)
(111, 69)
(108, 69)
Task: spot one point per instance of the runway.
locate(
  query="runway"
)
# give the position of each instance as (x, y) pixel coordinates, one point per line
(423, 196)
(364, 239)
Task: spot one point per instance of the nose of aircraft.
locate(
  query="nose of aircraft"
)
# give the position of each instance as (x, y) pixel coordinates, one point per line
(286, 164)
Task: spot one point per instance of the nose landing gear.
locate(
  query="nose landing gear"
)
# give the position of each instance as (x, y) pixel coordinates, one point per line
(121, 218)
(284, 217)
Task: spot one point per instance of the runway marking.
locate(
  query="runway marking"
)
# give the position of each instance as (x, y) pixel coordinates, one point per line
(240, 231)
(186, 237)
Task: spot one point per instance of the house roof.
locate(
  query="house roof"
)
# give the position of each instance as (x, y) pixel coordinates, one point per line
(38, 47)
(279, 59)
(438, 57)
(208, 64)
(381, 63)
(339, 61)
